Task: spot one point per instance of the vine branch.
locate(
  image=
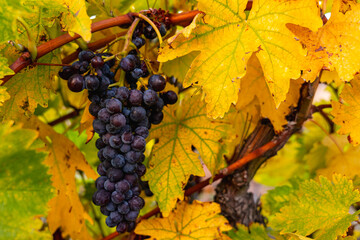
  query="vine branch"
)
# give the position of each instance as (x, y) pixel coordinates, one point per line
(65, 117)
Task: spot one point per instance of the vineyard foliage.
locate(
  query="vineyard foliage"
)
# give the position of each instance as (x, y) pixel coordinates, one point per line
(241, 66)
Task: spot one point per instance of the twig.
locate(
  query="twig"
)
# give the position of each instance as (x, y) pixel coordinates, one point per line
(65, 117)
(320, 110)
(51, 64)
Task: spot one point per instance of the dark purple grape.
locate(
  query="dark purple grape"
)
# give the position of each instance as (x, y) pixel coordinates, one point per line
(132, 157)
(129, 168)
(111, 207)
(115, 174)
(137, 114)
(106, 137)
(124, 208)
(99, 126)
(122, 93)
(116, 217)
(144, 123)
(136, 74)
(114, 105)
(109, 186)
(138, 42)
(170, 97)
(112, 129)
(149, 32)
(157, 82)
(122, 186)
(104, 211)
(121, 227)
(142, 131)
(100, 154)
(80, 67)
(97, 62)
(141, 170)
(86, 55)
(162, 29)
(76, 83)
(110, 93)
(127, 137)
(129, 63)
(131, 216)
(117, 197)
(94, 108)
(99, 183)
(118, 161)
(101, 197)
(115, 141)
(110, 222)
(131, 178)
(136, 190)
(99, 143)
(106, 165)
(100, 170)
(94, 97)
(109, 63)
(118, 120)
(126, 111)
(92, 83)
(128, 195)
(104, 115)
(109, 152)
(156, 117)
(66, 72)
(136, 203)
(104, 84)
(135, 97)
(125, 148)
(150, 97)
(144, 69)
(138, 144)
(158, 107)
(131, 226)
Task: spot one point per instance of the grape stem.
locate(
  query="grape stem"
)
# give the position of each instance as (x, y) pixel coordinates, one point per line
(70, 115)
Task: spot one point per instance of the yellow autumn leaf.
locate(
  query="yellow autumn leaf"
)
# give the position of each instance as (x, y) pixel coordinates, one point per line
(4, 68)
(347, 114)
(226, 40)
(200, 221)
(66, 211)
(185, 125)
(253, 85)
(4, 95)
(332, 46)
(86, 123)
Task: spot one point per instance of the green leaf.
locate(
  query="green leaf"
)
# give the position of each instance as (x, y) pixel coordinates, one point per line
(25, 186)
(4, 68)
(322, 207)
(179, 66)
(256, 232)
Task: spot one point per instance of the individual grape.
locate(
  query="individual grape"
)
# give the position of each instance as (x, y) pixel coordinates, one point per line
(106, 165)
(149, 32)
(127, 137)
(110, 93)
(115, 174)
(86, 55)
(106, 138)
(157, 82)
(109, 152)
(144, 69)
(135, 97)
(97, 62)
(124, 208)
(126, 111)
(131, 216)
(110, 222)
(109, 186)
(109, 63)
(111, 207)
(122, 186)
(131, 178)
(118, 161)
(66, 72)
(137, 114)
(129, 63)
(162, 29)
(114, 106)
(118, 120)
(76, 83)
(100, 170)
(142, 131)
(99, 143)
(99, 126)
(104, 84)
(122, 93)
(94, 98)
(99, 183)
(138, 42)
(115, 141)
(122, 227)
(156, 117)
(94, 108)
(136, 190)
(138, 143)
(101, 197)
(104, 115)
(104, 211)
(92, 82)
(136, 203)
(141, 170)
(136, 74)
(116, 217)
(132, 157)
(158, 107)
(100, 155)
(144, 123)
(117, 197)
(145, 188)
(112, 129)
(131, 226)
(170, 97)
(129, 168)
(150, 97)
(125, 148)
(128, 195)
(80, 67)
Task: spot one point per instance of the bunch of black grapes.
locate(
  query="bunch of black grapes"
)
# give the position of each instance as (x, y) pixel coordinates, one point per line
(123, 117)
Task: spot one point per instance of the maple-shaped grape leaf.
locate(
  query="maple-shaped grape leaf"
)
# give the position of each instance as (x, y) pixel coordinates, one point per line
(332, 46)
(4, 68)
(66, 211)
(347, 114)
(173, 161)
(29, 88)
(179, 66)
(253, 85)
(25, 186)
(199, 220)
(319, 206)
(254, 232)
(227, 39)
